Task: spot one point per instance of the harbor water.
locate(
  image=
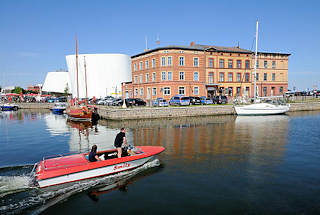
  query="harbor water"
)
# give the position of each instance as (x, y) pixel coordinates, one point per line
(211, 165)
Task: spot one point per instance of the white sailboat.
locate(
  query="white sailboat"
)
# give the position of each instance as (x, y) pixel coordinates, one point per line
(260, 108)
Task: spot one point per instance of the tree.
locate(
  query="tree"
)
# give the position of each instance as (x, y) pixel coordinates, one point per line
(18, 90)
(66, 90)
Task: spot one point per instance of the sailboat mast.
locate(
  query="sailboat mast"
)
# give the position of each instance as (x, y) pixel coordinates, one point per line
(85, 76)
(77, 71)
(255, 64)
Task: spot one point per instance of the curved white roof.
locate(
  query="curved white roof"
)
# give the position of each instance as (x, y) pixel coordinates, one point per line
(56, 82)
(105, 73)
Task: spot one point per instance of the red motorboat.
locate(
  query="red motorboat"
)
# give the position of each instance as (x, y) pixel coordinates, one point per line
(79, 113)
(76, 167)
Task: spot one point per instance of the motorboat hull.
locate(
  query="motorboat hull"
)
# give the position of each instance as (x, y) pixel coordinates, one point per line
(79, 114)
(103, 171)
(9, 107)
(261, 109)
(66, 169)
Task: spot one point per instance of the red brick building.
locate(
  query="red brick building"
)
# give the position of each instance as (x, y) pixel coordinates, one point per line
(201, 70)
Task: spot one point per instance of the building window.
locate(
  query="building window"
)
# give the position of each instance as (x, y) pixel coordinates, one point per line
(265, 76)
(169, 76)
(265, 63)
(154, 76)
(136, 91)
(196, 76)
(230, 91)
(147, 64)
(273, 76)
(147, 77)
(211, 62)
(273, 64)
(141, 65)
(135, 79)
(154, 91)
(195, 62)
(135, 67)
(230, 76)
(238, 91)
(265, 91)
(247, 64)
(181, 61)
(257, 63)
(166, 91)
(181, 90)
(141, 92)
(281, 90)
(153, 63)
(246, 77)
(163, 61)
(238, 77)
(230, 64)
(169, 61)
(195, 90)
(257, 76)
(221, 77)
(221, 63)
(239, 64)
(163, 76)
(181, 75)
(141, 79)
(247, 91)
(211, 78)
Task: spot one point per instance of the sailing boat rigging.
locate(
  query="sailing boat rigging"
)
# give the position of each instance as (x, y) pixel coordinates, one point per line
(259, 108)
(78, 112)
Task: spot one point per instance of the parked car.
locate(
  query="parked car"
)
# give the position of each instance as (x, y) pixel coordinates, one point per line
(139, 102)
(179, 100)
(220, 100)
(52, 100)
(206, 100)
(117, 102)
(108, 100)
(195, 100)
(62, 99)
(160, 102)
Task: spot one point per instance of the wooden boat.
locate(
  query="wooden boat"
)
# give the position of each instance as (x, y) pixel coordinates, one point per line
(76, 167)
(79, 113)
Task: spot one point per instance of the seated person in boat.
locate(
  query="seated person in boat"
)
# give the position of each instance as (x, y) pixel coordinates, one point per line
(93, 154)
(120, 139)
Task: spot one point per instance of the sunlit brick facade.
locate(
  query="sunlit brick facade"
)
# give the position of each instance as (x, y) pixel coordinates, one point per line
(199, 70)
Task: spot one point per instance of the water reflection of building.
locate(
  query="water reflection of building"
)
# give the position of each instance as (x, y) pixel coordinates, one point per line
(187, 138)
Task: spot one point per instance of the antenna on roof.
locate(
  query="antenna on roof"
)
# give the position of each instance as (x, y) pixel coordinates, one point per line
(158, 40)
(238, 45)
(146, 38)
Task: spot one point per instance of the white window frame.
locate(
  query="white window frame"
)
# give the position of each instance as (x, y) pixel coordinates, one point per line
(166, 91)
(135, 79)
(136, 91)
(163, 61)
(163, 76)
(169, 77)
(169, 62)
(196, 78)
(183, 89)
(147, 78)
(195, 92)
(196, 62)
(141, 91)
(141, 65)
(141, 78)
(181, 61)
(135, 67)
(153, 62)
(221, 78)
(153, 76)
(147, 64)
(181, 74)
(154, 91)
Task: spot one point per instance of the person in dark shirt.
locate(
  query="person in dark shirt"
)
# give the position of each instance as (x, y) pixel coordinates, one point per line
(93, 154)
(120, 139)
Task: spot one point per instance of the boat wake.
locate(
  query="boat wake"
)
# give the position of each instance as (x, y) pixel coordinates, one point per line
(22, 197)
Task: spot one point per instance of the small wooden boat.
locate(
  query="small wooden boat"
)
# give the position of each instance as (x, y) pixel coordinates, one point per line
(79, 113)
(71, 168)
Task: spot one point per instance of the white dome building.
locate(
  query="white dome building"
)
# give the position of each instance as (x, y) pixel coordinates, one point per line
(56, 82)
(105, 73)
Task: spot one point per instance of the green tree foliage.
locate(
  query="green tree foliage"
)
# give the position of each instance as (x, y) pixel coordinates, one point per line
(18, 90)
(66, 90)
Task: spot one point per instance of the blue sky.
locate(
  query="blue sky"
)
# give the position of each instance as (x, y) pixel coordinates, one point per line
(35, 36)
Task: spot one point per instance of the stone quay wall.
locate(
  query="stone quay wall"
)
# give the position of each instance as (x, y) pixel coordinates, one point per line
(118, 113)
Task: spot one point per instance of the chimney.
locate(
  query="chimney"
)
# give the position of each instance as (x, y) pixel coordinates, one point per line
(192, 44)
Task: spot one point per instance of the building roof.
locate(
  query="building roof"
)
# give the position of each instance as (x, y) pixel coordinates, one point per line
(209, 48)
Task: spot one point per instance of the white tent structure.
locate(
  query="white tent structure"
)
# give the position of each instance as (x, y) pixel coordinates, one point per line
(104, 73)
(56, 82)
